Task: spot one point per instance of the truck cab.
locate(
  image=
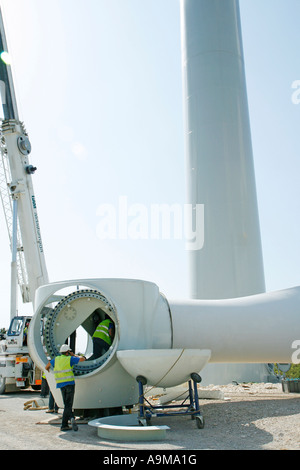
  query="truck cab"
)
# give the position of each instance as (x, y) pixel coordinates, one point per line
(16, 336)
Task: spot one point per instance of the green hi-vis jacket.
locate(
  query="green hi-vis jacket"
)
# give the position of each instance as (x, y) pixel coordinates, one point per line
(102, 331)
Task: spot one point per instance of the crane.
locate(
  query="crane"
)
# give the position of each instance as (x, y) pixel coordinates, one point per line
(28, 266)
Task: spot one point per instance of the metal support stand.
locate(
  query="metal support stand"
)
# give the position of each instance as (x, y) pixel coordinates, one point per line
(190, 403)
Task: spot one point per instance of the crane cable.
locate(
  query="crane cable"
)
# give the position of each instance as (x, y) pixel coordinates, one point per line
(157, 383)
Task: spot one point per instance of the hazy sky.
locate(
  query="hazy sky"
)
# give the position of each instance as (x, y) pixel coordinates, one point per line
(99, 87)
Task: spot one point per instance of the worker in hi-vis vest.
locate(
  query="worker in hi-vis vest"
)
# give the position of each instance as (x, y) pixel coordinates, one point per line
(102, 337)
(25, 333)
(63, 371)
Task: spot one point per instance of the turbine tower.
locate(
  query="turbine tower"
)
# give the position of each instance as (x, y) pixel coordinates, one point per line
(220, 169)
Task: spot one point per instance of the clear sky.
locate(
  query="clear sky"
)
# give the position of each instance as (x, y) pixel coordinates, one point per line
(99, 87)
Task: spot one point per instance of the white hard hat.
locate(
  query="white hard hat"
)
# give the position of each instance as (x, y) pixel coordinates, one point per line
(64, 348)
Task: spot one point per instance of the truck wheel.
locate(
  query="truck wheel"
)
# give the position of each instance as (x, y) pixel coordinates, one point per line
(2, 385)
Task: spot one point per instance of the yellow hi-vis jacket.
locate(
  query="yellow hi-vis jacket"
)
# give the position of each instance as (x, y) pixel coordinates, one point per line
(102, 331)
(63, 371)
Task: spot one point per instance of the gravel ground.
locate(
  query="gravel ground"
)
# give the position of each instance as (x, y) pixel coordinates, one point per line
(247, 417)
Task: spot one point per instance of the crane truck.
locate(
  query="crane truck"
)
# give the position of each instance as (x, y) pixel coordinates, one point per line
(28, 268)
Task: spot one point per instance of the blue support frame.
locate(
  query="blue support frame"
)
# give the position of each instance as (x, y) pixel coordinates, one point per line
(190, 403)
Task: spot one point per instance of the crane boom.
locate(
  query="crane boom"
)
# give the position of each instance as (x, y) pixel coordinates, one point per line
(16, 188)
(8, 96)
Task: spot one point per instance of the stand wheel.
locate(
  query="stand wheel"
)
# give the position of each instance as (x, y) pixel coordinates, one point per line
(200, 422)
(146, 421)
(142, 379)
(196, 377)
(192, 409)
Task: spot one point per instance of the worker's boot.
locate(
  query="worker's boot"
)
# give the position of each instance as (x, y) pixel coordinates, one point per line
(74, 425)
(65, 428)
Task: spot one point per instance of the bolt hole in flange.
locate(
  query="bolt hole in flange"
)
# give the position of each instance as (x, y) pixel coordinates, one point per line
(74, 316)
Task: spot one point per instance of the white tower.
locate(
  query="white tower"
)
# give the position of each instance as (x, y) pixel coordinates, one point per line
(220, 166)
